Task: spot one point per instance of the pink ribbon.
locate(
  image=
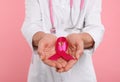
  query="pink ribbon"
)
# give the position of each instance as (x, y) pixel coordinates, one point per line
(61, 47)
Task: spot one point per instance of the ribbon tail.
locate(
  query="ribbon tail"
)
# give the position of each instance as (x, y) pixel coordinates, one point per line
(54, 57)
(66, 56)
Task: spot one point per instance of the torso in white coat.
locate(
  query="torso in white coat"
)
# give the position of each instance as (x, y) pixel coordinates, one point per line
(38, 19)
(61, 16)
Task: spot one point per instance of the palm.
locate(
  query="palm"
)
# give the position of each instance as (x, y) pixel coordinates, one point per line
(48, 50)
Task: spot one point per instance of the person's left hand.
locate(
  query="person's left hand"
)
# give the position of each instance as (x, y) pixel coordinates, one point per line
(75, 48)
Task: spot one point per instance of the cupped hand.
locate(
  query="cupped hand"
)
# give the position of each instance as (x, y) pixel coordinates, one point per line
(46, 48)
(75, 48)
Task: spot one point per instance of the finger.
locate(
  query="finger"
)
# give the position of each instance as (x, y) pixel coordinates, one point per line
(69, 51)
(70, 65)
(72, 52)
(78, 54)
(41, 45)
(42, 57)
(41, 54)
(58, 65)
(79, 50)
(60, 70)
(50, 63)
(40, 51)
(62, 62)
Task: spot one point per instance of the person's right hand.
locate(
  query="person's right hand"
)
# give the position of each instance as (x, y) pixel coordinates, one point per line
(46, 48)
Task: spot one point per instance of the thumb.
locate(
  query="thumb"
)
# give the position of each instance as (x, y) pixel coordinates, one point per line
(41, 54)
(40, 50)
(79, 51)
(78, 54)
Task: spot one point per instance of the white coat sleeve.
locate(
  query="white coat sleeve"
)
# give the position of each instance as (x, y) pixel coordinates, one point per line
(33, 20)
(93, 25)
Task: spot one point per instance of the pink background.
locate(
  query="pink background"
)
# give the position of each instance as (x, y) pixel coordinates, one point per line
(15, 54)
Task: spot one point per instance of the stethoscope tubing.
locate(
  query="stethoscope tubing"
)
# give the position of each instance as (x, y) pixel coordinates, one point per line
(53, 29)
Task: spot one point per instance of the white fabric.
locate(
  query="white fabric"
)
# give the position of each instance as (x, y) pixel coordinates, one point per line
(38, 19)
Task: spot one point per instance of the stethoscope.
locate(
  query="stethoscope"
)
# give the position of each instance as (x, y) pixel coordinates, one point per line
(53, 29)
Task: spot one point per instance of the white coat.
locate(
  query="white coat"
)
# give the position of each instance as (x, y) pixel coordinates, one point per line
(38, 19)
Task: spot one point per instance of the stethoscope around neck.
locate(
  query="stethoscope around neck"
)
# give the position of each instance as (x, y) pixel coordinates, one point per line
(53, 29)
